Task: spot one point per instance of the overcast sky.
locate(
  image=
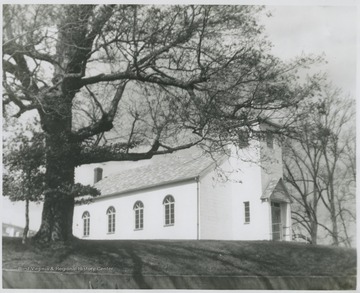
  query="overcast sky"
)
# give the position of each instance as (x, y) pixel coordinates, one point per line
(317, 29)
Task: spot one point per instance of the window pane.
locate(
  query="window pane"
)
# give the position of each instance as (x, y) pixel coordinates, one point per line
(137, 219)
(270, 140)
(111, 223)
(247, 211)
(86, 230)
(141, 219)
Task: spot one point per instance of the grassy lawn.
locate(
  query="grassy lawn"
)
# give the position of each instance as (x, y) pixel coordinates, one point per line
(206, 257)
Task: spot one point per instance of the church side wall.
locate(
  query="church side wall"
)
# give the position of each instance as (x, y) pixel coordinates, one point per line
(185, 227)
(215, 208)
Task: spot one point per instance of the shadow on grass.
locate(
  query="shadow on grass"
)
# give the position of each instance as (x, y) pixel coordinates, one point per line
(187, 264)
(137, 272)
(185, 260)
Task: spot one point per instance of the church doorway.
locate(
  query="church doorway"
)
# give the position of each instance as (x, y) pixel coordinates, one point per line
(277, 226)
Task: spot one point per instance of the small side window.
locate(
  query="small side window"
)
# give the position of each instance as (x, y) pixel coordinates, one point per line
(247, 212)
(270, 140)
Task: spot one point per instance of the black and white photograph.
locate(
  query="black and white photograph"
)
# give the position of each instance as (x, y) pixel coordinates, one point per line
(179, 145)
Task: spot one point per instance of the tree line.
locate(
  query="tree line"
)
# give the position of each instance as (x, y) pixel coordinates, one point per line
(320, 169)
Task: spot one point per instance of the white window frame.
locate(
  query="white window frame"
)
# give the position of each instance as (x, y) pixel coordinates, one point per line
(139, 215)
(169, 210)
(111, 215)
(86, 223)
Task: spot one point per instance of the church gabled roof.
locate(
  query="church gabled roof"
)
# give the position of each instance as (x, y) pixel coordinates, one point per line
(276, 190)
(179, 166)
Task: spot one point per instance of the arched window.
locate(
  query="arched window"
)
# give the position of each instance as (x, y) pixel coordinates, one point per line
(86, 222)
(111, 219)
(169, 206)
(139, 215)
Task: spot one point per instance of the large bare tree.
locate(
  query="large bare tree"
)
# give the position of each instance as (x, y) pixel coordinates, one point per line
(155, 78)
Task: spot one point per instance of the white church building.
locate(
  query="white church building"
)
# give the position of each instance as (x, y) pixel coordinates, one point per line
(189, 195)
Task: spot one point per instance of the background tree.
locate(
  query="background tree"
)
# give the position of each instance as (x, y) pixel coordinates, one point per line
(161, 78)
(338, 123)
(24, 171)
(23, 179)
(320, 168)
(302, 166)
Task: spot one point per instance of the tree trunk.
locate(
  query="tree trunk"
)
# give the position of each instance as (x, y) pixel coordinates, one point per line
(26, 229)
(61, 154)
(56, 222)
(314, 232)
(334, 234)
(314, 221)
(58, 207)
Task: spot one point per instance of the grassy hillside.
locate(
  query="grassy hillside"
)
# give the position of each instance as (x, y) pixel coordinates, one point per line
(205, 258)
